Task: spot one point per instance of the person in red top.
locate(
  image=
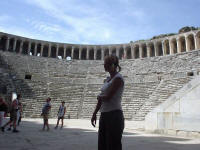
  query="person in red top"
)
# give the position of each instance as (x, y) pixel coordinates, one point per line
(3, 110)
(13, 114)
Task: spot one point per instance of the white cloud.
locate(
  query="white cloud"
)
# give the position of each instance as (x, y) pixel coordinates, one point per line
(94, 25)
(44, 27)
(91, 22)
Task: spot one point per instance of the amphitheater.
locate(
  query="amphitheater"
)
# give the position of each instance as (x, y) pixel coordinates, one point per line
(162, 78)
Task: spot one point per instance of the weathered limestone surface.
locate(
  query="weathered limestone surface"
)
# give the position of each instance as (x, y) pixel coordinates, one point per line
(179, 113)
(148, 82)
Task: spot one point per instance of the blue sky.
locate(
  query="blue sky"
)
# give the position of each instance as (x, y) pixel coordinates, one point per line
(96, 21)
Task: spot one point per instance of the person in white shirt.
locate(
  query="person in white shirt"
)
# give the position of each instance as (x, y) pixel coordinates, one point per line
(61, 114)
(111, 122)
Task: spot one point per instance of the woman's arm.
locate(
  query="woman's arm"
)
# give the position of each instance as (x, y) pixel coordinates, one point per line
(94, 116)
(64, 111)
(115, 85)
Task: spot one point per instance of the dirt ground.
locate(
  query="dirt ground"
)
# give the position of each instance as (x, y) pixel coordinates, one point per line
(80, 135)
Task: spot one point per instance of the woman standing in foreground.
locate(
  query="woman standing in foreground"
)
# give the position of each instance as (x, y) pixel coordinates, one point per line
(111, 122)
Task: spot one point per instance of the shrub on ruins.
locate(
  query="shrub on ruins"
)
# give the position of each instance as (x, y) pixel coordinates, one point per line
(187, 29)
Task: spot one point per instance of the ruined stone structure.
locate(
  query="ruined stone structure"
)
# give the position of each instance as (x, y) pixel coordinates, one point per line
(153, 70)
(150, 48)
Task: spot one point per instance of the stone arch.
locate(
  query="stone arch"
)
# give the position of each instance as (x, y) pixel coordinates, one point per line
(53, 51)
(76, 53)
(98, 54)
(144, 50)
(25, 47)
(128, 52)
(191, 42)
(69, 52)
(91, 54)
(113, 51)
(166, 47)
(18, 46)
(3, 43)
(198, 40)
(61, 52)
(159, 49)
(32, 48)
(45, 51)
(136, 51)
(182, 44)
(11, 44)
(174, 46)
(152, 50)
(121, 53)
(84, 54)
(106, 52)
(39, 46)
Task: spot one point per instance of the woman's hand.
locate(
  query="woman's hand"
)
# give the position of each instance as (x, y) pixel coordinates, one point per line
(93, 120)
(98, 97)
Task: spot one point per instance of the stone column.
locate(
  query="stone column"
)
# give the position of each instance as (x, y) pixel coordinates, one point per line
(187, 44)
(109, 50)
(195, 43)
(125, 52)
(72, 54)
(57, 48)
(65, 49)
(102, 53)
(87, 53)
(132, 51)
(29, 47)
(35, 50)
(7, 43)
(164, 49)
(148, 50)
(140, 51)
(80, 51)
(178, 45)
(41, 50)
(14, 45)
(156, 49)
(49, 50)
(171, 47)
(21, 47)
(95, 53)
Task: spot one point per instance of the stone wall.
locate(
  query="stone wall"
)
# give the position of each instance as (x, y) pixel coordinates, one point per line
(179, 114)
(148, 82)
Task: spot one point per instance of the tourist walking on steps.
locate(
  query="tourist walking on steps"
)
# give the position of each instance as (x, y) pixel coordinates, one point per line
(3, 110)
(111, 122)
(13, 114)
(61, 114)
(45, 113)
